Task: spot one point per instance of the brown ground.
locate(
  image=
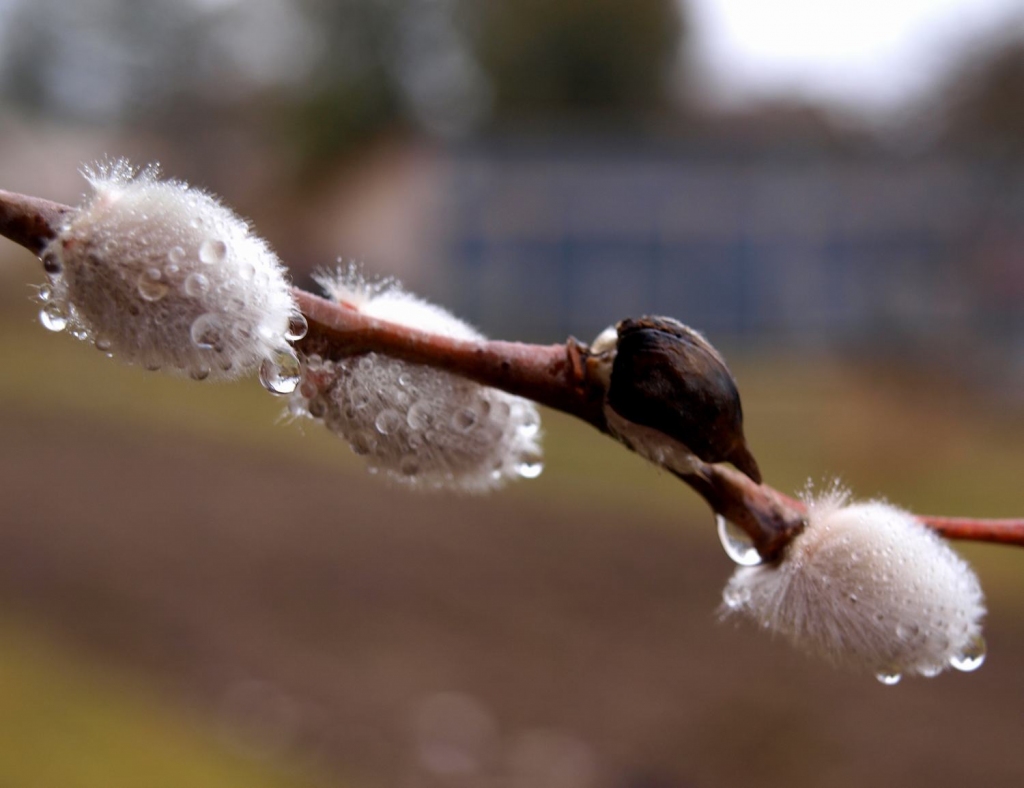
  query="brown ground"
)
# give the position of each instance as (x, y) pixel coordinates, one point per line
(318, 609)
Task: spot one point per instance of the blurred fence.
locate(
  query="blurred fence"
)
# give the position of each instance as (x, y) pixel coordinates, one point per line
(780, 247)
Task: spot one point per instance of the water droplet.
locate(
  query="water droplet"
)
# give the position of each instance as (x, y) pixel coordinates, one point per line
(212, 250)
(317, 407)
(45, 293)
(359, 398)
(110, 246)
(176, 255)
(500, 410)
(735, 596)
(363, 443)
(404, 379)
(388, 421)
(972, 657)
(736, 543)
(297, 328)
(196, 284)
(53, 318)
(246, 270)
(281, 373)
(889, 679)
(52, 264)
(930, 671)
(409, 466)
(103, 344)
(530, 466)
(464, 419)
(530, 425)
(419, 417)
(201, 373)
(206, 331)
(151, 288)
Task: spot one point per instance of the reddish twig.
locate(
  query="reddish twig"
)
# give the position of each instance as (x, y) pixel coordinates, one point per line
(977, 530)
(553, 375)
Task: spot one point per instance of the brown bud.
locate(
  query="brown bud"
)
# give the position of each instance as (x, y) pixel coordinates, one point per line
(667, 378)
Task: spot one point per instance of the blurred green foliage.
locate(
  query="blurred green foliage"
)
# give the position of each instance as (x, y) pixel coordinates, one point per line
(578, 56)
(323, 76)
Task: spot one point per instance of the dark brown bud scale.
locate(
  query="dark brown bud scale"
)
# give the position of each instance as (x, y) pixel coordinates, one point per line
(667, 377)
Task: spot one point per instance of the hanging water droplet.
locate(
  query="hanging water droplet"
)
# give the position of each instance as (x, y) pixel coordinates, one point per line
(531, 424)
(889, 679)
(464, 419)
(736, 543)
(930, 671)
(103, 344)
(419, 416)
(206, 331)
(53, 318)
(151, 288)
(297, 328)
(45, 293)
(196, 284)
(176, 255)
(972, 657)
(201, 373)
(282, 372)
(735, 596)
(52, 264)
(530, 466)
(212, 250)
(388, 421)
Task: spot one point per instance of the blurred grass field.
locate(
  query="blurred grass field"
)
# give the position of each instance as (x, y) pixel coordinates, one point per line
(67, 721)
(69, 718)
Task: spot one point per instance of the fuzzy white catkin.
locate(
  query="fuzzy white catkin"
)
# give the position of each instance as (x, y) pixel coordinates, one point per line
(420, 427)
(867, 586)
(163, 275)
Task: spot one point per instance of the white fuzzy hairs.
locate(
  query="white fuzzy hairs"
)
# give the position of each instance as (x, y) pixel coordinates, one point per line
(420, 427)
(163, 275)
(867, 586)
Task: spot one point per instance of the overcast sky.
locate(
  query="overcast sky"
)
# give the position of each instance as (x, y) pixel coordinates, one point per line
(875, 54)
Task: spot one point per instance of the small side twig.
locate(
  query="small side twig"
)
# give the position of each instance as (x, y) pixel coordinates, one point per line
(552, 375)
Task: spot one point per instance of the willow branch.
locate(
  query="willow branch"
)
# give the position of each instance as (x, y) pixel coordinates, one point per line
(557, 376)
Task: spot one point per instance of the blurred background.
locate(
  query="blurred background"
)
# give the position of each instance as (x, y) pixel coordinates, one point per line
(193, 592)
